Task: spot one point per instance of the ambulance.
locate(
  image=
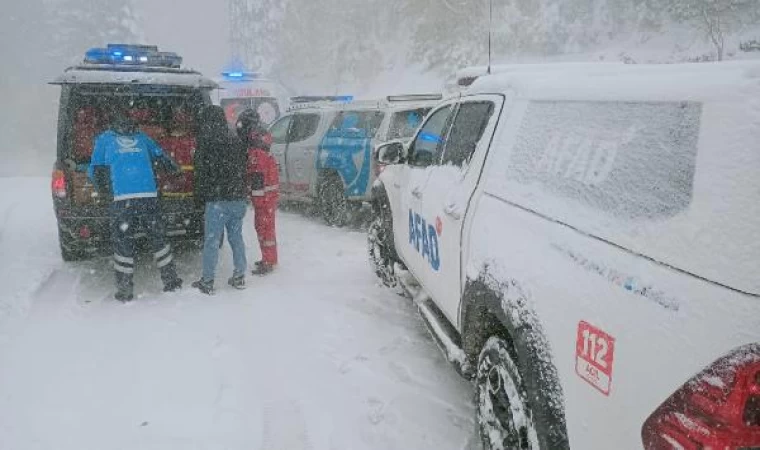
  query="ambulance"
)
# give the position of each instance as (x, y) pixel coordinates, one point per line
(240, 90)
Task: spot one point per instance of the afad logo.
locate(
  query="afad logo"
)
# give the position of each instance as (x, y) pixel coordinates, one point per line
(424, 238)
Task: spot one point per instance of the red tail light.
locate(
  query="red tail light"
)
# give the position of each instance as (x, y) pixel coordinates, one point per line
(719, 409)
(85, 232)
(58, 185)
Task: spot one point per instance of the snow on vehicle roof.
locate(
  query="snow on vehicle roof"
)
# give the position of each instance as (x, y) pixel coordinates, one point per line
(110, 74)
(603, 81)
(479, 71)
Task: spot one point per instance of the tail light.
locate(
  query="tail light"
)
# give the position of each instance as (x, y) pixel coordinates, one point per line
(719, 409)
(85, 232)
(58, 185)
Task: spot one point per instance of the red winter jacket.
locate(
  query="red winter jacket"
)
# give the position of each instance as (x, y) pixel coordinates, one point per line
(263, 172)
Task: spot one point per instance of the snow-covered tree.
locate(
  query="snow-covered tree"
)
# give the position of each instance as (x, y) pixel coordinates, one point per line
(715, 18)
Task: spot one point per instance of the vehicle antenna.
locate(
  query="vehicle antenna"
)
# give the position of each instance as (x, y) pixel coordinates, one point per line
(490, 28)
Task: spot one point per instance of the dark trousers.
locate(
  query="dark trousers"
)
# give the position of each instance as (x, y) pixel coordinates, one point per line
(130, 218)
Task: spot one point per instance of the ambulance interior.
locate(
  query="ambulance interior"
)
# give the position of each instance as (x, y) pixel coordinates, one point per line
(170, 120)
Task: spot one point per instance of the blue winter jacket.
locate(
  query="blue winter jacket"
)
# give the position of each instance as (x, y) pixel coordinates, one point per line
(130, 160)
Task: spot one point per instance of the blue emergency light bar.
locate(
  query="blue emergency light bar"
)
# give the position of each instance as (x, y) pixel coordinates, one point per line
(132, 55)
(322, 98)
(240, 75)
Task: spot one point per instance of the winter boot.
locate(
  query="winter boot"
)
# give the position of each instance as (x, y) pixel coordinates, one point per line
(207, 287)
(174, 285)
(262, 268)
(237, 281)
(124, 295)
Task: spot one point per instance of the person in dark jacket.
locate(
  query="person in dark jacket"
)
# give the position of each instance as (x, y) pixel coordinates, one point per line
(220, 183)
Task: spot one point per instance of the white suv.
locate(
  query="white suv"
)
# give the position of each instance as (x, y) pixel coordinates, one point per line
(584, 242)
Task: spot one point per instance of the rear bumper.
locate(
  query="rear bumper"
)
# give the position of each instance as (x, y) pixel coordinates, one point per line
(89, 227)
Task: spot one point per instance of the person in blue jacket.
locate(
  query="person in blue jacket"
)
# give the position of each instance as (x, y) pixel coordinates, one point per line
(122, 164)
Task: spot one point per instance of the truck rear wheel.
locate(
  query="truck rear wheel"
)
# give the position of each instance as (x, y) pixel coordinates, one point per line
(69, 250)
(504, 417)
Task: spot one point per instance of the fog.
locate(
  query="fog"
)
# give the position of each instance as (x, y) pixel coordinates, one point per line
(364, 48)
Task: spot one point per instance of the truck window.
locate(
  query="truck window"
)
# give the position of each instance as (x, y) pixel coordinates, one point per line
(630, 160)
(367, 122)
(304, 127)
(428, 144)
(279, 130)
(405, 123)
(470, 123)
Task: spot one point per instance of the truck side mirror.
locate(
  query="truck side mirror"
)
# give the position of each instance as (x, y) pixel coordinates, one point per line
(390, 153)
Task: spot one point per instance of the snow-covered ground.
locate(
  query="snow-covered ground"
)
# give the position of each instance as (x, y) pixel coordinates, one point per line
(316, 356)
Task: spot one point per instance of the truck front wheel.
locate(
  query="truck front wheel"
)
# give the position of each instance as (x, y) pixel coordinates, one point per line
(381, 254)
(504, 417)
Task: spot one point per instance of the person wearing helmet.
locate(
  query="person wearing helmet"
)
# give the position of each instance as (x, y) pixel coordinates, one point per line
(264, 179)
(122, 167)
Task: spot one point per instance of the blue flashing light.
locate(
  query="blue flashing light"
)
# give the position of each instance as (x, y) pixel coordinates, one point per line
(237, 75)
(140, 55)
(426, 136)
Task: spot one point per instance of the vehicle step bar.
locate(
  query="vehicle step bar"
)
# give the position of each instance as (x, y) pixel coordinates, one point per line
(444, 334)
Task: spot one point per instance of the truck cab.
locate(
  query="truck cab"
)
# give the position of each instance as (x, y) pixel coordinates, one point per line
(583, 242)
(163, 99)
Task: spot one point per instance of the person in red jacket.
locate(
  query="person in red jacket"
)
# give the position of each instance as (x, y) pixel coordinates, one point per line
(264, 179)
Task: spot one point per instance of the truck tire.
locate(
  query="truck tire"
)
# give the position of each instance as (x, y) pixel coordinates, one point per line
(333, 205)
(504, 416)
(382, 256)
(69, 250)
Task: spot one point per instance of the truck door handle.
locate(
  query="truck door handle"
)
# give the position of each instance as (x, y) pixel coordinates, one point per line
(417, 192)
(396, 185)
(451, 211)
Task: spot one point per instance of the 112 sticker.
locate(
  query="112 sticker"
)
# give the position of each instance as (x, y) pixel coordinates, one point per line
(594, 356)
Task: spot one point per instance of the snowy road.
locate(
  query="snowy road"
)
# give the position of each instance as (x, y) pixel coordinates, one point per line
(317, 356)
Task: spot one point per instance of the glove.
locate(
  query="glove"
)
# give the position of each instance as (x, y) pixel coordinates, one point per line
(257, 181)
(169, 166)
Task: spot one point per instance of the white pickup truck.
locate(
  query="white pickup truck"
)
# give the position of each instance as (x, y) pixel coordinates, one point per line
(584, 243)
